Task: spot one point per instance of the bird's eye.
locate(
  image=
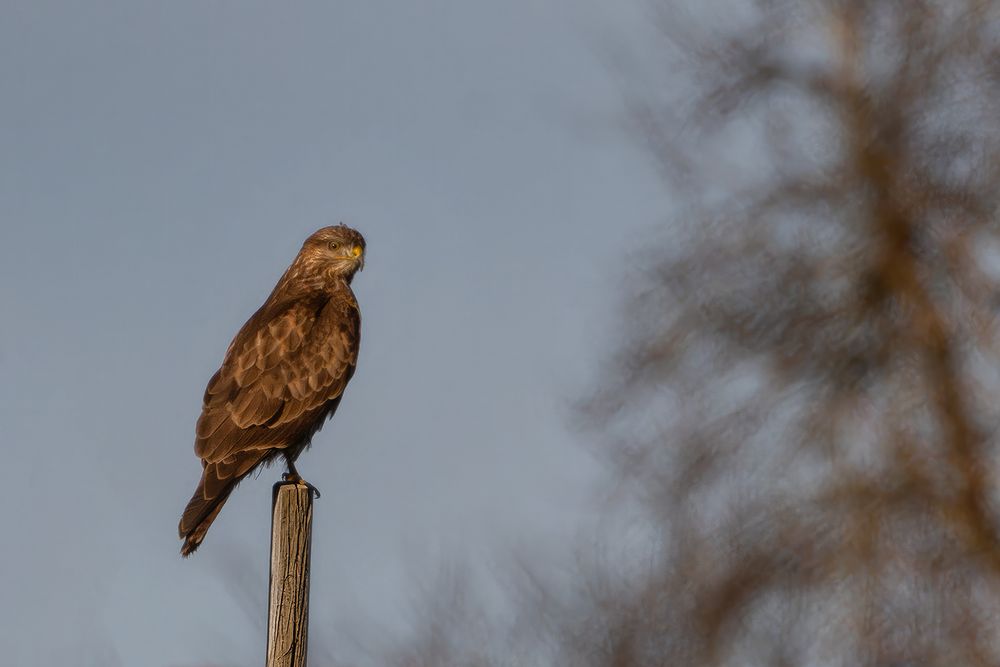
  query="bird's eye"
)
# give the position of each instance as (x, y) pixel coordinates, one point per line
(334, 245)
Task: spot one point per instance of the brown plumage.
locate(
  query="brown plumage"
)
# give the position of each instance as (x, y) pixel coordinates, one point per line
(283, 375)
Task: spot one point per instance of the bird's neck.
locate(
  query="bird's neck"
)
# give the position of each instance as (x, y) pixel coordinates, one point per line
(309, 277)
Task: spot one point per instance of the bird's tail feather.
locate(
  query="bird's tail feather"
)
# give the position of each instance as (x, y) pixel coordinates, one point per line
(217, 481)
(198, 516)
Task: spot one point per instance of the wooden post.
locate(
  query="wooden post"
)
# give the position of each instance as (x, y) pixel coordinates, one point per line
(288, 594)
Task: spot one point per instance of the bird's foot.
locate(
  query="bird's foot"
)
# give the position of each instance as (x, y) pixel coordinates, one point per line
(296, 478)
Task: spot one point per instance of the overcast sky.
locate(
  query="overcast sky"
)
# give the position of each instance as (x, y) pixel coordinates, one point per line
(160, 165)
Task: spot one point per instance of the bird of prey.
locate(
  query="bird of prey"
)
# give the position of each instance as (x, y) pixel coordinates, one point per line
(283, 375)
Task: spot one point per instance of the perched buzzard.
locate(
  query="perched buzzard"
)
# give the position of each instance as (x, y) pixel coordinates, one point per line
(282, 376)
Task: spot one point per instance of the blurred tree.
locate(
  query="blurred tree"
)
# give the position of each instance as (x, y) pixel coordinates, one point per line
(808, 400)
(806, 404)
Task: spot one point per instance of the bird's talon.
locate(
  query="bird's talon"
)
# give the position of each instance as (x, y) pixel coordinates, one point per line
(295, 478)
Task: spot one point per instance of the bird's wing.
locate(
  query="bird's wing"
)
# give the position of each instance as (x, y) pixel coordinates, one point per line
(285, 364)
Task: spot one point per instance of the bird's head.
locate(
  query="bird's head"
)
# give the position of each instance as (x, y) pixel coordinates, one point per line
(337, 250)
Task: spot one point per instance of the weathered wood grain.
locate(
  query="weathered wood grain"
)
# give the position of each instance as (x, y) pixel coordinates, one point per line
(288, 596)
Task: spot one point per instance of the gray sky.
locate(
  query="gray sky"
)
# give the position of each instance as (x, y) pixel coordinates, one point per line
(160, 165)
